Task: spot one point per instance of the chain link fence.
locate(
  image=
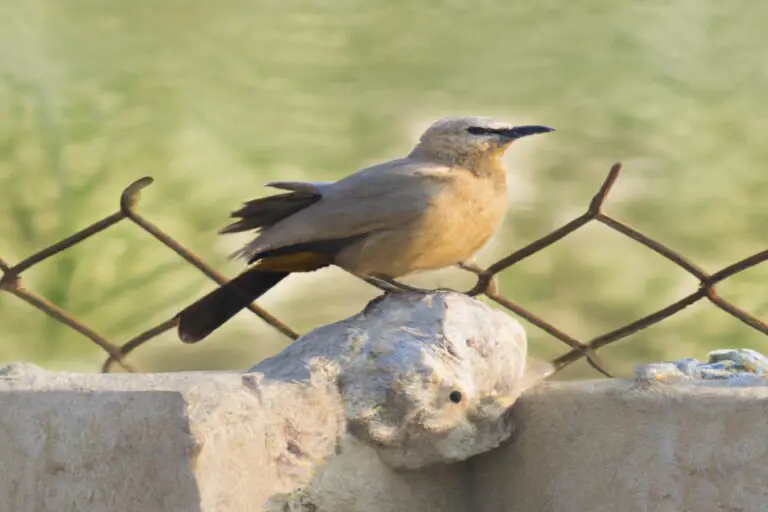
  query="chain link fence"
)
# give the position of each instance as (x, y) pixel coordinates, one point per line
(10, 282)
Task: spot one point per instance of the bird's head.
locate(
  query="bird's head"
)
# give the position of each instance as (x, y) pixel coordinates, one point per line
(465, 139)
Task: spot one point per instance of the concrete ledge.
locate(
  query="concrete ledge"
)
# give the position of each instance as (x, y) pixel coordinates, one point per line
(607, 446)
(183, 442)
(226, 442)
(421, 402)
(192, 442)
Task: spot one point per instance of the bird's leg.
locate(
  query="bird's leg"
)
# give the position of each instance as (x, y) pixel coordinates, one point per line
(470, 266)
(390, 285)
(407, 288)
(385, 286)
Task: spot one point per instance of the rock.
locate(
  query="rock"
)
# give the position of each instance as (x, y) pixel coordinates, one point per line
(425, 378)
(734, 367)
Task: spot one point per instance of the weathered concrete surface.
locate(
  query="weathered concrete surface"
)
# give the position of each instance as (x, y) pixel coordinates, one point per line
(188, 442)
(607, 446)
(330, 424)
(228, 443)
(164, 442)
(357, 480)
(411, 381)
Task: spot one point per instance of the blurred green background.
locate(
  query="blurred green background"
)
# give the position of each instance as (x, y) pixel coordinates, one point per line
(213, 99)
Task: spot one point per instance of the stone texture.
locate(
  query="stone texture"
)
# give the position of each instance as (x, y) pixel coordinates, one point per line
(333, 423)
(164, 442)
(425, 378)
(278, 437)
(604, 446)
(227, 442)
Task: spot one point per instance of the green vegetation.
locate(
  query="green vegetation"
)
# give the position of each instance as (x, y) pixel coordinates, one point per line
(212, 99)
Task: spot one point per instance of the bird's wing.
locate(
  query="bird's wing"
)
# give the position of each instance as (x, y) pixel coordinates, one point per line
(380, 197)
(309, 187)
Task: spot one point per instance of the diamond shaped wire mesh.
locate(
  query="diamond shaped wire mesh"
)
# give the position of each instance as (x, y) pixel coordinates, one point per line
(10, 282)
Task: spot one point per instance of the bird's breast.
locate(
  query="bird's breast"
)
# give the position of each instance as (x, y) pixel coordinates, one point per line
(460, 219)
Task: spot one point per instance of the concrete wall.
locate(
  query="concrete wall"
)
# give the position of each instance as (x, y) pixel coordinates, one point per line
(607, 446)
(229, 442)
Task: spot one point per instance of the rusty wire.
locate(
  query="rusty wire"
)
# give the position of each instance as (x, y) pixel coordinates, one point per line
(486, 281)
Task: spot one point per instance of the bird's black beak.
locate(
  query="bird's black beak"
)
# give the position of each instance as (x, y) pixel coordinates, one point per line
(523, 131)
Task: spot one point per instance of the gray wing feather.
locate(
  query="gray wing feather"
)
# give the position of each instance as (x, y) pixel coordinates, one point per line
(380, 197)
(311, 187)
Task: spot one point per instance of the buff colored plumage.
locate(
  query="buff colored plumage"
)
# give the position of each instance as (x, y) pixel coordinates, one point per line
(432, 209)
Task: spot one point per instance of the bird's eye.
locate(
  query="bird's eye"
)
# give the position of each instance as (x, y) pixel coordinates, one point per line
(481, 130)
(455, 397)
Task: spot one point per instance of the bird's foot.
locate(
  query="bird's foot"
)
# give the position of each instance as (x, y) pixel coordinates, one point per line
(451, 290)
(414, 289)
(386, 286)
(389, 285)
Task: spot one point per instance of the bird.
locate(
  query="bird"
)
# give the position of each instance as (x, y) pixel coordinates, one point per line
(432, 209)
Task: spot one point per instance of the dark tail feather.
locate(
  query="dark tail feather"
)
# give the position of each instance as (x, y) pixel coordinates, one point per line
(208, 314)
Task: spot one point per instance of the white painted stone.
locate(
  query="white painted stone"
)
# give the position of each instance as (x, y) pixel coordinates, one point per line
(397, 364)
